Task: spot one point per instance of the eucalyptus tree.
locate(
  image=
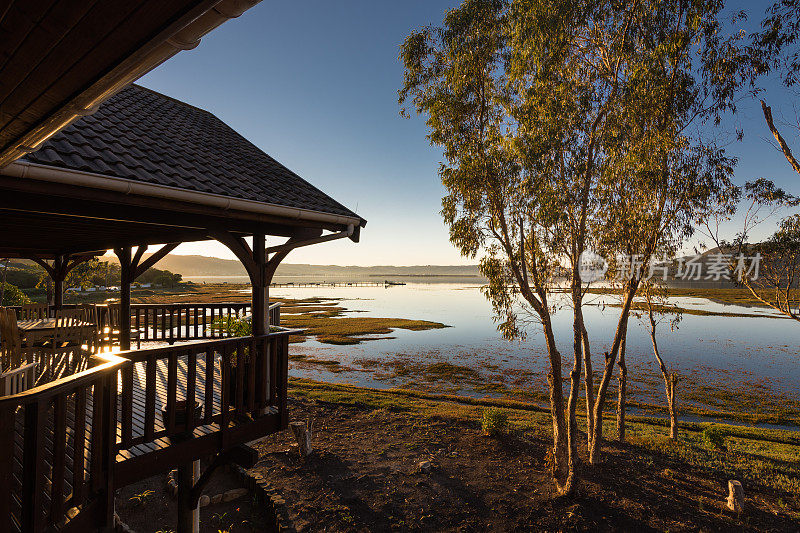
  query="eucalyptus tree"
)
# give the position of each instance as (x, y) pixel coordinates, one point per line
(522, 98)
(687, 76)
(562, 126)
(655, 297)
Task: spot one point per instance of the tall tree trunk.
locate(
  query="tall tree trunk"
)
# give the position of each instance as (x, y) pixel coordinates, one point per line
(621, 389)
(588, 379)
(563, 459)
(575, 374)
(608, 371)
(670, 379)
(673, 412)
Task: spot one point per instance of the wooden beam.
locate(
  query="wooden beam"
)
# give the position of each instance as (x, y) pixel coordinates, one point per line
(153, 259)
(239, 247)
(126, 273)
(140, 249)
(45, 265)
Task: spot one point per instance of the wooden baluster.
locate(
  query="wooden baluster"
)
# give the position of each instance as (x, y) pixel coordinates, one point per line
(163, 322)
(79, 448)
(240, 371)
(212, 334)
(127, 406)
(191, 385)
(6, 465)
(209, 394)
(226, 392)
(150, 398)
(171, 325)
(172, 390)
(96, 478)
(263, 361)
(59, 453)
(109, 456)
(273, 371)
(33, 482)
(283, 359)
(138, 327)
(196, 322)
(251, 377)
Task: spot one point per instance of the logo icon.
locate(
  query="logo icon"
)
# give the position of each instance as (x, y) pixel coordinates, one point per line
(591, 267)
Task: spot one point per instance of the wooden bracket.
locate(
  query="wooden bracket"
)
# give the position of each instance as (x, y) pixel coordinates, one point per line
(242, 455)
(140, 268)
(240, 248)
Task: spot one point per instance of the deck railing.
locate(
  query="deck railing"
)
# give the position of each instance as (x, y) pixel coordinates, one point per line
(230, 379)
(182, 321)
(56, 451)
(76, 439)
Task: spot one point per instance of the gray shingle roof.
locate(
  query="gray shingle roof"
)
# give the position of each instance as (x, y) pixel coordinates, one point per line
(142, 135)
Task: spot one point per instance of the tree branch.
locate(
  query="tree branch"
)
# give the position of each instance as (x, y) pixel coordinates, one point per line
(784, 147)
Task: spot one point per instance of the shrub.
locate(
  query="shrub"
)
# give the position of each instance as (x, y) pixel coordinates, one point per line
(232, 326)
(14, 296)
(714, 437)
(494, 421)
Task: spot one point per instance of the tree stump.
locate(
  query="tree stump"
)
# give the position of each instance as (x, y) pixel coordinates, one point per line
(302, 433)
(735, 496)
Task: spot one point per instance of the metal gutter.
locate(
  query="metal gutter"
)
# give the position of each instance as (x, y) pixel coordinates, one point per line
(35, 171)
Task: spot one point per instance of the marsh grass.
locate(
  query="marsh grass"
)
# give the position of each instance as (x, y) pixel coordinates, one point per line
(763, 457)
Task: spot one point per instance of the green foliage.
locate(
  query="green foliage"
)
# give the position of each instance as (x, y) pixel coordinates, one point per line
(232, 326)
(160, 278)
(714, 437)
(776, 45)
(494, 421)
(566, 126)
(13, 296)
(22, 278)
(142, 498)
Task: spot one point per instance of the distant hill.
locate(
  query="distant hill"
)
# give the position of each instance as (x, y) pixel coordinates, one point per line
(199, 265)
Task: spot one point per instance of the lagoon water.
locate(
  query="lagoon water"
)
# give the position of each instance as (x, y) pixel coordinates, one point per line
(759, 352)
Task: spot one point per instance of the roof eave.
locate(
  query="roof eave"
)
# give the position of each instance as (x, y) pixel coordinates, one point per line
(183, 34)
(35, 171)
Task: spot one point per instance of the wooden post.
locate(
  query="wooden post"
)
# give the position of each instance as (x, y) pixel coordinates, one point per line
(126, 277)
(188, 514)
(58, 275)
(259, 305)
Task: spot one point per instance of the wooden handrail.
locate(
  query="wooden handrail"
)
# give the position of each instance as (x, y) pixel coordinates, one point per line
(53, 388)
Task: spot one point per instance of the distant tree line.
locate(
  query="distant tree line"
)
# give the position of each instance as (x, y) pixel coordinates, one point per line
(24, 277)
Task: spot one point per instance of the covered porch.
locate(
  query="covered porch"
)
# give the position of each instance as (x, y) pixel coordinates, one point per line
(119, 182)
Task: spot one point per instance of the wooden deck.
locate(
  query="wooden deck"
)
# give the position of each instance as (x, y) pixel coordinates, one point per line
(62, 464)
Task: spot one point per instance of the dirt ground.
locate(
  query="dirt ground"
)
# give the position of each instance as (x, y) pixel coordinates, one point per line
(365, 476)
(157, 512)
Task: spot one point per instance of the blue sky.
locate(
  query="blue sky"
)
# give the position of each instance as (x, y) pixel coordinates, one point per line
(314, 84)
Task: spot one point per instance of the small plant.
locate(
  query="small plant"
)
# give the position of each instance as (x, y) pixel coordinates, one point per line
(714, 438)
(232, 326)
(494, 421)
(142, 498)
(224, 522)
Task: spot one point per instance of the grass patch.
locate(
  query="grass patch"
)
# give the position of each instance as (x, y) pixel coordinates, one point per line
(764, 457)
(352, 330)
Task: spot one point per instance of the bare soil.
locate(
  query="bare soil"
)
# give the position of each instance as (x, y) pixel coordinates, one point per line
(365, 476)
(158, 511)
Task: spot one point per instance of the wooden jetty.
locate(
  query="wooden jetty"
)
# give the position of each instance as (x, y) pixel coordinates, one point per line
(385, 283)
